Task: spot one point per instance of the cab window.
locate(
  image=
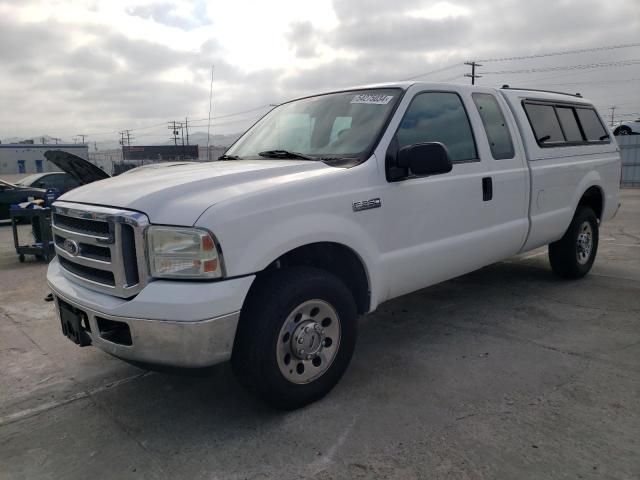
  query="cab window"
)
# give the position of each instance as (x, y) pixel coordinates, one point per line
(495, 126)
(439, 117)
(545, 123)
(591, 125)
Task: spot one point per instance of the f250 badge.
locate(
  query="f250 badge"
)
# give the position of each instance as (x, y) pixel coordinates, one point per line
(367, 204)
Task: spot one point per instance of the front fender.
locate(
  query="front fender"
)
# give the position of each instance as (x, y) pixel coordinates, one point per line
(275, 239)
(250, 253)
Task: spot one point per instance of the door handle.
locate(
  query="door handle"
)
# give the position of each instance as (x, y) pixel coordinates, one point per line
(487, 189)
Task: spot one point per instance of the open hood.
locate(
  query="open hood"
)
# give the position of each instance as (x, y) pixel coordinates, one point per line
(79, 168)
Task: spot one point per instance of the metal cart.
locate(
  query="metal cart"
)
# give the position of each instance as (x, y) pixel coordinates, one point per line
(40, 219)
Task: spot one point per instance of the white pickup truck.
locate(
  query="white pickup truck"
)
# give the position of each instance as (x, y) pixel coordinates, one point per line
(325, 208)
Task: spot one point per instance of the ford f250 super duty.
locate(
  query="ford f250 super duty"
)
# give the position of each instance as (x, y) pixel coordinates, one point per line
(325, 208)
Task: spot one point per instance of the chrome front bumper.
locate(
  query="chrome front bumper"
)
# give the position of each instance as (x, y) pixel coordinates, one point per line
(161, 342)
(172, 323)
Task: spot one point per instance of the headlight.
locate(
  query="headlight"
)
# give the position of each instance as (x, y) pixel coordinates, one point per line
(177, 252)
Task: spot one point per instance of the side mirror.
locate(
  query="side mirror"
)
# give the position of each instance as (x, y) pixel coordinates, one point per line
(423, 159)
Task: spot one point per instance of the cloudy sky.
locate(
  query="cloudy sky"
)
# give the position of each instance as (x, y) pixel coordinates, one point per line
(97, 67)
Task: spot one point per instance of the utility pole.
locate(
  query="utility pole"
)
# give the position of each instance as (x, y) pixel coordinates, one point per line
(182, 136)
(81, 135)
(186, 126)
(473, 75)
(174, 132)
(125, 141)
(56, 140)
(43, 140)
(613, 109)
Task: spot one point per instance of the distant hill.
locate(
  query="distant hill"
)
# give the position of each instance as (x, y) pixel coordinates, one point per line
(200, 138)
(195, 138)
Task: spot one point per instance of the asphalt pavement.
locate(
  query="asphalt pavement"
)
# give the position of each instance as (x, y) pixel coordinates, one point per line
(504, 373)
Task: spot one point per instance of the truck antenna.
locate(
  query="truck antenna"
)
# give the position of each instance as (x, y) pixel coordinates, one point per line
(209, 122)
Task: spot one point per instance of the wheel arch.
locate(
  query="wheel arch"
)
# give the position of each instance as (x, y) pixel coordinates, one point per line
(336, 258)
(593, 197)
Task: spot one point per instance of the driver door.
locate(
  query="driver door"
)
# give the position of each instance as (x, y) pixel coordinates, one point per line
(437, 225)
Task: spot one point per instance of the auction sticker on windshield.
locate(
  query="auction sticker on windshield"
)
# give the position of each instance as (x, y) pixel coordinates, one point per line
(371, 98)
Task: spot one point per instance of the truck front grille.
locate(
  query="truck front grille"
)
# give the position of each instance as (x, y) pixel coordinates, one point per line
(82, 225)
(95, 275)
(101, 248)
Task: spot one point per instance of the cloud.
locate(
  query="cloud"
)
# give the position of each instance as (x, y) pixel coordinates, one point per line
(106, 66)
(401, 34)
(169, 15)
(303, 39)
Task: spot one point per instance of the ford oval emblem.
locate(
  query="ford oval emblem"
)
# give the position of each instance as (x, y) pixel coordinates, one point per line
(71, 247)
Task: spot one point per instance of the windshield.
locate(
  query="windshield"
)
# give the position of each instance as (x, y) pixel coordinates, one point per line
(336, 126)
(29, 180)
(6, 184)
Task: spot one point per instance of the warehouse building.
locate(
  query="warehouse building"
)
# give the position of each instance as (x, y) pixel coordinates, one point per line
(23, 158)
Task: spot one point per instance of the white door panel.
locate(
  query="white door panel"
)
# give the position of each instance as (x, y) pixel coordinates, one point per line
(437, 228)
(441, 227)
(509, 174)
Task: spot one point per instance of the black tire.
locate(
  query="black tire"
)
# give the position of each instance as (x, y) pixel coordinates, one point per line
(566, 256)
(622, 131)
(269, 305)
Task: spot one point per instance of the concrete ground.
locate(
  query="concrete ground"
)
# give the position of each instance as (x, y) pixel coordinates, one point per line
(504, 373)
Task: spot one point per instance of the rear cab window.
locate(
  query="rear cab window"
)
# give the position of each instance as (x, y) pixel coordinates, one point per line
(495, 126)
(557, 124)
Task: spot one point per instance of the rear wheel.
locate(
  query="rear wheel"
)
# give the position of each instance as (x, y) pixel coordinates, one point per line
(573, 255)
(296, 336)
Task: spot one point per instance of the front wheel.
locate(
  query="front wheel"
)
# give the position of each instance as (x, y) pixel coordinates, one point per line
(296, 336)
(573, 255)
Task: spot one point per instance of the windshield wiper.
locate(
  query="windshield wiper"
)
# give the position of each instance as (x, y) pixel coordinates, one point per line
(228, 157)
(284, 154)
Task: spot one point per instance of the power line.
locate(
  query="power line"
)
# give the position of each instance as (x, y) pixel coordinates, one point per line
(563, 52)
(594, 82)
(524, 57)
(157, 125)
(443, 69)
(585, 66)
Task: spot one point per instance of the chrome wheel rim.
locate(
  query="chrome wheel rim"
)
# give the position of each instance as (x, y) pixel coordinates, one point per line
(308, 341)
(584, 243)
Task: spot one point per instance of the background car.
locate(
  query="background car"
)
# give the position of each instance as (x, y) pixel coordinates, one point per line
(628, 128)
(11, 194)
(60, 180)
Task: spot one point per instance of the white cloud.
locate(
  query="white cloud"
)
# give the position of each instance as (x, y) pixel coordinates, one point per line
(439, 11)
(100, 66)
